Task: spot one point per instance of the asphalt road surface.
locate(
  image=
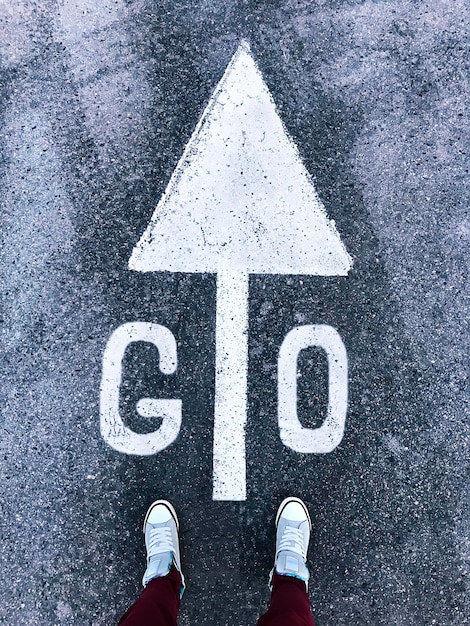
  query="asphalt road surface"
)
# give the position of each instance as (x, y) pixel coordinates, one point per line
(98, 99)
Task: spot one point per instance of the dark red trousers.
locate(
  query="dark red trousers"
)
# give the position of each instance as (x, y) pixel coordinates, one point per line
(159, 603)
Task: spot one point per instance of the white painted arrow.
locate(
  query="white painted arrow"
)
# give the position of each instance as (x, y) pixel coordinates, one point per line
(240, 201)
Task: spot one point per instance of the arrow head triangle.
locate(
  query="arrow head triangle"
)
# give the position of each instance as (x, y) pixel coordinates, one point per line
(240, 197)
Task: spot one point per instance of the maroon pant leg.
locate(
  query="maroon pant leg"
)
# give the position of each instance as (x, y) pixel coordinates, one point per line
(158, 604)
(289, 604)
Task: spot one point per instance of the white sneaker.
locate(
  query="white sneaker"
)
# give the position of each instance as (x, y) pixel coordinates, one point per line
(293, 528)
(161, 540)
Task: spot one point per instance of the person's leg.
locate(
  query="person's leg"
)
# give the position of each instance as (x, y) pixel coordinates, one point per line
(159, 602)
(289, 604)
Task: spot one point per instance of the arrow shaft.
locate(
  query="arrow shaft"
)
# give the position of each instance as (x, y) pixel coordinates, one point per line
(231, 365)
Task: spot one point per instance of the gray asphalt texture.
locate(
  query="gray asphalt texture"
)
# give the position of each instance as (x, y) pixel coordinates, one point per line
(97, 101)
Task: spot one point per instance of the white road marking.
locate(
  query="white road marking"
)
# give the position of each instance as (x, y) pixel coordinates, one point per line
(230, 386)
(240, 200)
(329, 435)
(113, 429)
(240, 197)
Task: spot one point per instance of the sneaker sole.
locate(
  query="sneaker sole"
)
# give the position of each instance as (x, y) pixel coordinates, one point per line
(168, 506)
(285, 502)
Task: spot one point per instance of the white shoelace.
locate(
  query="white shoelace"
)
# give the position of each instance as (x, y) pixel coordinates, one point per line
(293, 540)
(160, 540)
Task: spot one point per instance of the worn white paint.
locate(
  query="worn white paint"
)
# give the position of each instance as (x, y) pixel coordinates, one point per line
(111, 77)
(230, 386)
(329, 435)
(240, 201)
(113, 429)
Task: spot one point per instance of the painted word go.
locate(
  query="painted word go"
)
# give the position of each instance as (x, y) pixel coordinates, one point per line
(319, 440)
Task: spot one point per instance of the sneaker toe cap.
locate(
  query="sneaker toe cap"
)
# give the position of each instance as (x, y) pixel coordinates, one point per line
(159, 514)
(294, 512)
